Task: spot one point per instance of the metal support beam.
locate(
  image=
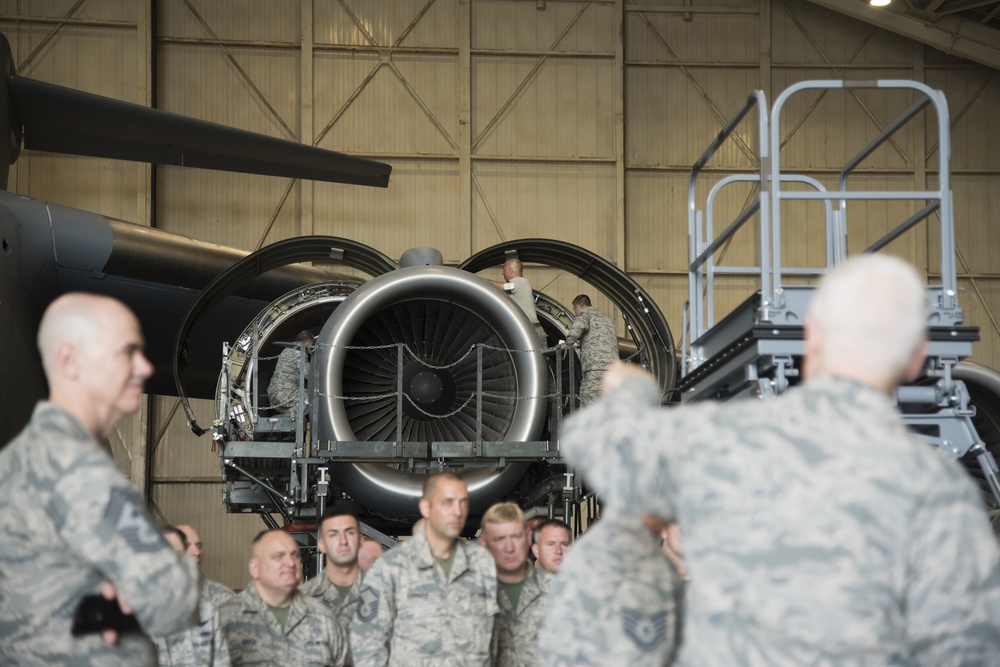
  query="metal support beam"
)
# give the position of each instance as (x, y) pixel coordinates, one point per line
(620, 258)
(951, 35)
(464, 138)
(306, 102)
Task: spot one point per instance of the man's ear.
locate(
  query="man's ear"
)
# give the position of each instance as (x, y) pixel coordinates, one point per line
(814, 347)
(254, 569)
(534, 550)
(425, 507)
(916, 364)
(482, 539)
(66, 360)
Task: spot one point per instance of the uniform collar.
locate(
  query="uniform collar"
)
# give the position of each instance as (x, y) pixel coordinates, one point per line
(327, 585)
(255, 604)
(425, 559)
(536, 583)
(57, 417)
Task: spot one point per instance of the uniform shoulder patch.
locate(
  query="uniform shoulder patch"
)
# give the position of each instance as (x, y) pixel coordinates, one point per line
(125, 516)
(647, 631)
(367, 605)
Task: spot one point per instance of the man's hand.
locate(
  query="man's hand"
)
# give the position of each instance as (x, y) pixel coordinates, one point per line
(617, 372)
(109, 592)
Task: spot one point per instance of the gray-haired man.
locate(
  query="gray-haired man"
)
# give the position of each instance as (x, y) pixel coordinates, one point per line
(817, 530)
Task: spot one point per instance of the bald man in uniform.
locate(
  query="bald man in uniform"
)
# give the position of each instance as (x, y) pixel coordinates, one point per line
(432, 600)
(272, 622)
(519, 289)
(213, 590)
(72, 525)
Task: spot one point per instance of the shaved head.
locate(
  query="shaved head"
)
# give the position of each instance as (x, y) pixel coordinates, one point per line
(432, 482)
(73, 319)
(92, 353)
(275, 566)
(513, 268)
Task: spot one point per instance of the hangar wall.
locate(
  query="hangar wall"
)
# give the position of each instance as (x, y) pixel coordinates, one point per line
(503, 119)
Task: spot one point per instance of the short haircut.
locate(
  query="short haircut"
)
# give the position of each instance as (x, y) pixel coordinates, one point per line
(174, 530)
(536, 534)
(264, 533)
(582, 300)
(502, 513)
(305, 336)
(871, 314)
(431, 483)
(333, 512)
(515, 264)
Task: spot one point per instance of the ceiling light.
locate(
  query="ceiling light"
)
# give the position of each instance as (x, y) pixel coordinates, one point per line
(879, 3)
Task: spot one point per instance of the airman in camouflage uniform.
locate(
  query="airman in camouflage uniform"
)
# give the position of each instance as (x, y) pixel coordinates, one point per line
(213, 590)
(423, 604)
(308, 635)
(201, 645)
(68, 516)
(285, 389)
(617, 596)
(523, 589)
(551, 543)
(598, 346)
(341, 606)
(339, 587)
(518, 629)
(817, 530)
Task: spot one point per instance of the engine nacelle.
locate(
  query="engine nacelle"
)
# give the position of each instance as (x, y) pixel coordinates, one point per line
(421, 368)
(435, 341)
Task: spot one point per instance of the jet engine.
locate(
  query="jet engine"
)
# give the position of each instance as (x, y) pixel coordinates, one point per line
(421, 368)
(427, 354)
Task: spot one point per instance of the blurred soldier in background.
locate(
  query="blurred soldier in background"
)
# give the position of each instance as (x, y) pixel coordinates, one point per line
(432, 600)
(616, 595)
(273, 623)
(598, 346)
(550, 544)
(201, 645)
(817, 529)
(71, 524)
(215, 591)
(522, 588)
(285, 391)
(369, 552)
(339, 586)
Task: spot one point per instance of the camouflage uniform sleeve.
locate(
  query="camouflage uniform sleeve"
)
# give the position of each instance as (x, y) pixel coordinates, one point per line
(580, 325)
(495, 640)
(610, 440)
(953, 600)
(371, 627)
(340, 645)
(101, 518)
(220, 647)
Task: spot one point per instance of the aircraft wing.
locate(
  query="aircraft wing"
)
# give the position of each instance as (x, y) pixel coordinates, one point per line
(63, 120)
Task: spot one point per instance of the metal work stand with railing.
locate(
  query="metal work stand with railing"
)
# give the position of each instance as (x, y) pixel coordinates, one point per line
(273, 463)
(756, 348)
